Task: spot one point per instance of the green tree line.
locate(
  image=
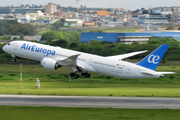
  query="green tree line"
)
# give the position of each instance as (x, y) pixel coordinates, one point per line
(5, 10)
(62, 35)
(12, 27)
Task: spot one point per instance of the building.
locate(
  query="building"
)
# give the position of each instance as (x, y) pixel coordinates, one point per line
(50, 8)
(24, 10)
(103, 13)
(73, 22)
(128, 38)
(167, 9)
(154, 19)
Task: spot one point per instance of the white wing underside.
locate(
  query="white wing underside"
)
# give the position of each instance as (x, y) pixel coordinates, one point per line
(70, 61)
(120, 57)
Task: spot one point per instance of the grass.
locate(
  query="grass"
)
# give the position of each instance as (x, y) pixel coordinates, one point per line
(57, 83)
(10, 73)
(88, 89)
(54, 113)
(122, 30)
(116, 29)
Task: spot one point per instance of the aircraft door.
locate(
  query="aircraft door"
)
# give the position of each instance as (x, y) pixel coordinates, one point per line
(15, 46)
(120, 72)
(90, 61)
(128, 70)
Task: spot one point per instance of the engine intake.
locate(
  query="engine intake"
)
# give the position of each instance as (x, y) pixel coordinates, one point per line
(49, 63)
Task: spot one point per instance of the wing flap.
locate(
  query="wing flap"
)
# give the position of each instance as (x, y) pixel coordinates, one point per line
(70, 61)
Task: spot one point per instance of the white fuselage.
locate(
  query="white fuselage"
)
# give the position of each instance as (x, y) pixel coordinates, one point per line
(90, 63)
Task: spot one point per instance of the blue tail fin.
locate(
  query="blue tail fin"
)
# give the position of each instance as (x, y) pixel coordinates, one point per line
(152, 60)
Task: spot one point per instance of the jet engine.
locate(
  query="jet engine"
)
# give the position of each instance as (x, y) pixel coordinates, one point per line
(49, 63)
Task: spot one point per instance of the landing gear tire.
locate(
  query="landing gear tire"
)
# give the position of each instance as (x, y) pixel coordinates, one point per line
(83, 74)
(14, 60)
(76, 76)
(88, 75)
(72, 74)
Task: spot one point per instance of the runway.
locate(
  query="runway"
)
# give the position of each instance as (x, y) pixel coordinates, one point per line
(91, 101)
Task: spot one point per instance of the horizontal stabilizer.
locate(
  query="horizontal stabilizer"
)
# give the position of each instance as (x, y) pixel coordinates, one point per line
(161, 74)
(166, 72)
(149, 73)
(123, 56)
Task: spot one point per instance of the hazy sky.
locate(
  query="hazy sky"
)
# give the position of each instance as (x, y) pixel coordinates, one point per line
(127, 4)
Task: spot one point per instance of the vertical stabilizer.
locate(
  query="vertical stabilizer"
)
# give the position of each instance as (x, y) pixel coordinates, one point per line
(152, 60)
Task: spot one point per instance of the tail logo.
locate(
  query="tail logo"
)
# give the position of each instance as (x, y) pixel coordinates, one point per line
(153, 59)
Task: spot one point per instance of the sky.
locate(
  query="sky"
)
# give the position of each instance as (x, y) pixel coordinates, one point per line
(126, 4)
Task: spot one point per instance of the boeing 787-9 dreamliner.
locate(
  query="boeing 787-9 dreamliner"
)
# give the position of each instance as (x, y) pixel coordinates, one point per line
(51, 57)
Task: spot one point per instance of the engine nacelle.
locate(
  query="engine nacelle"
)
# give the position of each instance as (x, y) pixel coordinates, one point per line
(49, 63)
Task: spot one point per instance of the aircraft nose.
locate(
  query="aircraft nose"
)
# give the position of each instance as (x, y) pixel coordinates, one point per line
(4, 48)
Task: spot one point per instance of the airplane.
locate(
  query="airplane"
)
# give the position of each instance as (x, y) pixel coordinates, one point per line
(52, 57)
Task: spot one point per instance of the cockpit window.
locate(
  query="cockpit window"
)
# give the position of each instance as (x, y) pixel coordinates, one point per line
(8, 43)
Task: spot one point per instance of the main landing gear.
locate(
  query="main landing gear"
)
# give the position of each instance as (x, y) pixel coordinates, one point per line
(74, 75)
(87, 75)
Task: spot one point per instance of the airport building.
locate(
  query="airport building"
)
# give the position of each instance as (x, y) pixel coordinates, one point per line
(50, 8)
(25, 10)
(128, 38)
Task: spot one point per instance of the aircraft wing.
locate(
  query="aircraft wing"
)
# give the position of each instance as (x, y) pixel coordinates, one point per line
(70, 61)
(120, 57)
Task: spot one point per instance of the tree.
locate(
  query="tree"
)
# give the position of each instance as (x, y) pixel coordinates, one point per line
(47, 36)
(114, 19)
(169, 28)
(27, 29)
(94, 42)
(142, 9)
(159, 41)
(145, 12)
(61, 43)
(75, 36)
(15, 28)
(58, 24)
(21, 37)
(5, 10)
(7, 37)
(15, 38)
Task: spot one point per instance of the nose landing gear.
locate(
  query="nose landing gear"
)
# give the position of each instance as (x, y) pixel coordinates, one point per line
(14, 60)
